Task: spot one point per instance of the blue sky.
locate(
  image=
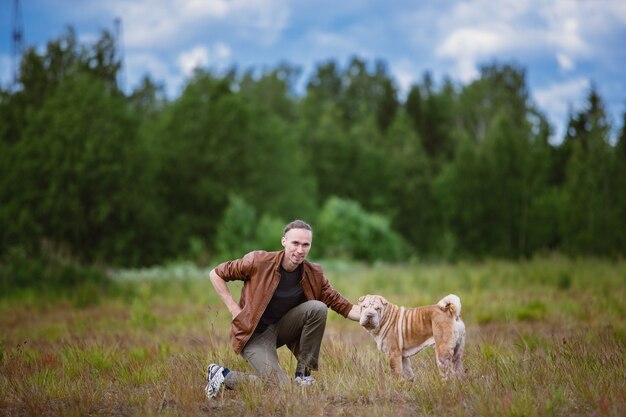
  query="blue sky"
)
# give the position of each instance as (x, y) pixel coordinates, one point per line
(564, 45)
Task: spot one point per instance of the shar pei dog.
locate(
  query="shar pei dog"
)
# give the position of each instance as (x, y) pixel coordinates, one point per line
(402, 332)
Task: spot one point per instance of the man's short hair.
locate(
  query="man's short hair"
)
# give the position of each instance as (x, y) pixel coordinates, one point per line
(297, 224)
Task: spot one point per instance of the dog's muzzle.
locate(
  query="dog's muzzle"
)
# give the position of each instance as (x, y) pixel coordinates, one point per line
(369, 319)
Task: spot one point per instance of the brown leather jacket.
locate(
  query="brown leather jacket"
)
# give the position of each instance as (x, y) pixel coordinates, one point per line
(260, 272)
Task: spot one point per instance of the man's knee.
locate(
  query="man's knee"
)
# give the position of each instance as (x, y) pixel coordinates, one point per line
(317, 309)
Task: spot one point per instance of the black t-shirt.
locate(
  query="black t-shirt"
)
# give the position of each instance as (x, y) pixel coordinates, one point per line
(288, 294)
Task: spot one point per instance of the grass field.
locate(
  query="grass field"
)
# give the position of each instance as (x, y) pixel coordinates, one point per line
(545, 337)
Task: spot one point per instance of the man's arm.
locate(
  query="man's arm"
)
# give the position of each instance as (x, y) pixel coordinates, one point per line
(355, 313)
(224, 292)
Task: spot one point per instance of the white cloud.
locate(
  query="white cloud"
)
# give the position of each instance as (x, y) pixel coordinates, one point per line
(578, 29)
(405, 75)
(222, 52)
(558, 98)
(217, 55)
(565, 61)
(565, 30)
(192, 59)
(141, 64)
(471, 42)
(162, 23)
(473, 32)
(210, 8)
(267, 19)
(146, 24)
(467, 46)
(146, 63)
(156, 18)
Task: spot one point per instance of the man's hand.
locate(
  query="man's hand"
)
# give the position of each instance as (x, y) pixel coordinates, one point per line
(235, 311)
(222, 290)
(355, 313)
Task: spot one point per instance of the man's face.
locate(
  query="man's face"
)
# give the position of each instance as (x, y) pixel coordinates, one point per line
(297, 244)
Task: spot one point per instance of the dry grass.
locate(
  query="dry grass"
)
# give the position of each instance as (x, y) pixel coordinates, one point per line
(546, 337)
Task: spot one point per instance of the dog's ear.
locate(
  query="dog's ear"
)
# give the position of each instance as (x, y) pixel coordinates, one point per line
(383, 300)
(361, 298)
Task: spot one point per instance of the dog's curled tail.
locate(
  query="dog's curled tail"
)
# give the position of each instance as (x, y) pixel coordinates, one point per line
(452, 304)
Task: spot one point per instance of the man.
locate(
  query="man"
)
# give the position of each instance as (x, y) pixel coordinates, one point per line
(284, 301)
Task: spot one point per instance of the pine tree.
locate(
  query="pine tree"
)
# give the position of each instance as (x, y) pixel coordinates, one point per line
(590, 215)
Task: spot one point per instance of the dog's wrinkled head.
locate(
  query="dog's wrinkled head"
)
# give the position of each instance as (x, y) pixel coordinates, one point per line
(371, 310)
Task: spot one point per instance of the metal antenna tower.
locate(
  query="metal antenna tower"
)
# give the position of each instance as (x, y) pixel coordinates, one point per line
(18, 40)
(119, 47)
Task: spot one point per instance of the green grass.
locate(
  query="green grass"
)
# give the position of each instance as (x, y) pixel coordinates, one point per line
(545, 337)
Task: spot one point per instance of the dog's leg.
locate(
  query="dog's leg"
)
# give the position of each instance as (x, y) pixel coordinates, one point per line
(395, 362)
(444, 348)
(407, 371)
(457, 357)
(444, 356)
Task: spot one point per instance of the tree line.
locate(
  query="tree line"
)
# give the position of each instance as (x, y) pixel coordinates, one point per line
(101, 176)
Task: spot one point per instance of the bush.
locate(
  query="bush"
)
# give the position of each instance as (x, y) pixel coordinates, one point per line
(235, 232)
(239, 231)
(346, 230)
(20, 270)
(269, 231)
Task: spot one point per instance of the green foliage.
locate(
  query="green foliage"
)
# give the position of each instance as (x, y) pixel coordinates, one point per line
(269, 231)
(235, 234)
(76, 169)
(545, 218)
(458, 171)
(213, 142)
(240, 231)
(345, 115)
(432, 113)
(48, 273)
(490, 187)
(328, 151)
(273, 90)
(592, 204)
(500, 89)
(409, 184)
(346, 230)
(358, 92)
(619, 183)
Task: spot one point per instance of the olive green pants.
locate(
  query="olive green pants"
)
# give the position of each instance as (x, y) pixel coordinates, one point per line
(304, 324)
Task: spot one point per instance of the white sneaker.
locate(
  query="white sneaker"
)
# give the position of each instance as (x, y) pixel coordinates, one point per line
(304, 381)
(215, 380)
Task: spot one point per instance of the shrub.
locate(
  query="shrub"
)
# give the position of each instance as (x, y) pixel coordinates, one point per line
(269, 231)
(347, 230)
(235, 232)
(42, 271)
(240, 231)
